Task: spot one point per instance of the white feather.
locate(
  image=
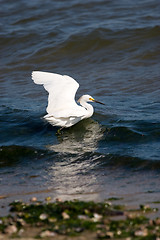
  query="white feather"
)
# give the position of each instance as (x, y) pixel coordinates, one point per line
(62, 90)
(62, 109)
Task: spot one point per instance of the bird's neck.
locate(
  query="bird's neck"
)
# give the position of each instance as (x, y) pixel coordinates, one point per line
(88, 107)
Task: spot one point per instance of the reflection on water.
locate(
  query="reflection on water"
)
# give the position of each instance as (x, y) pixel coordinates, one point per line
(72, 174)
(73, 178)
(81, 138)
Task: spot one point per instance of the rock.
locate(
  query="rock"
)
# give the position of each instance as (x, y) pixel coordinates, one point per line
(101, 234)
(47, 233)
(96, 217)
(11, 229)
(21, 231)
(119, 232)
(108, 204)
(78, 229)
(65, 215)
(131, 215)
(83, 217)
(157, 221)
(21, 221)
(52, 219)
(33, 199)
(110, 234)
(43, 216)
(141, 233)
(151, 222)
(58, 200)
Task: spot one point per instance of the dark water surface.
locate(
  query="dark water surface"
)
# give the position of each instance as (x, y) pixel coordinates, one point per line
(112, 48)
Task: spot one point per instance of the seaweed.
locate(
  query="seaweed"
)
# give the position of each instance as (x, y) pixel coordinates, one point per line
(75, 217)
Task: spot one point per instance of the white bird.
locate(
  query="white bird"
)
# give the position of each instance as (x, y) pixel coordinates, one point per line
(62, 109)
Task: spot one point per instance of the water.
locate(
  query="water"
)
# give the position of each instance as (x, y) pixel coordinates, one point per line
(112, 49)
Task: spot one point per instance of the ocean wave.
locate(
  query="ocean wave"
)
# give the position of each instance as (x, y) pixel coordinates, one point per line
(123, 134)
(141, 132)
(15, 154)
(93, 41)
(29, 127)
(136, 163)
(95, 44)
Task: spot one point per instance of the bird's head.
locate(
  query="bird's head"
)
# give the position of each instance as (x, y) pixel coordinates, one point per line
(88, 98)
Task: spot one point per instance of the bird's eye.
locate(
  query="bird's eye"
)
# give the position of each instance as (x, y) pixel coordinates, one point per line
(91, 99)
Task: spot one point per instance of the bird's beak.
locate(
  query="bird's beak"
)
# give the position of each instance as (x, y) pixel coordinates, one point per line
(93, 100)
(98, 102)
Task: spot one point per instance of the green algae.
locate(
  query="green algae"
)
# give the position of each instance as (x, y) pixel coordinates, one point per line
(147, 208)
(114, 199)
(75, 217)
(157, 202)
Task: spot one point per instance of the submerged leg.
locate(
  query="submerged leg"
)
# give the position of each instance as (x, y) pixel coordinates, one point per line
(59, 130)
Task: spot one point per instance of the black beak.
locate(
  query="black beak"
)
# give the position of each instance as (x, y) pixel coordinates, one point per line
(99, 102)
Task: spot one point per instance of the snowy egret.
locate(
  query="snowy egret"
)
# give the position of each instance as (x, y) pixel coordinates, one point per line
(62, 109)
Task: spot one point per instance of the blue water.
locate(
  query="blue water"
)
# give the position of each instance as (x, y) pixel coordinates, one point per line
(112, 49)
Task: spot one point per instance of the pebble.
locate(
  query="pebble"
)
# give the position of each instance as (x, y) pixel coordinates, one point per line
(11, 229)
(79, 229)
(47, 233)
(21, 221)
(141, 233)
(96, 217)
(131, 215)
(43, 216)
(33, 199)
(108, 204)
(65, 215)
(58, 200)
(52, 220)
(110, 234)
(119, 232)
(83, 217)
(151, 222)
(157, 221)
(21, 231)
(101, 234)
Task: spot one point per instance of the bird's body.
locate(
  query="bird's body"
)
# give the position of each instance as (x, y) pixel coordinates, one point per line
(62, 110)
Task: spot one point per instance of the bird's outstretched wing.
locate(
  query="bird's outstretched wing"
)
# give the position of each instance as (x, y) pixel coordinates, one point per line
(61, 89)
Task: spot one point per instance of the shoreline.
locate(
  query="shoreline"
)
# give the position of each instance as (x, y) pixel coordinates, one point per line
(80, 220)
